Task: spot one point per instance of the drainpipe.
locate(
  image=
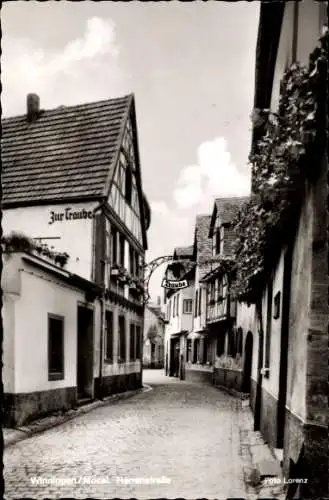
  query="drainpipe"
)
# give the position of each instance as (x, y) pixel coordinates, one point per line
(101, 346)
(102, 304)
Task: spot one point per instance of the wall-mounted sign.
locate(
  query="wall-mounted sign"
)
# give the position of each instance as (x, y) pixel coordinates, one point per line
(174, 285)
(69, 215)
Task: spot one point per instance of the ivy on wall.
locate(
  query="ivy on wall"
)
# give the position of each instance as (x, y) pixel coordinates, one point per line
(279, 169)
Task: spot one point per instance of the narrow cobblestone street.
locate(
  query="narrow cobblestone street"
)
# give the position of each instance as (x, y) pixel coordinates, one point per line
(183, 434)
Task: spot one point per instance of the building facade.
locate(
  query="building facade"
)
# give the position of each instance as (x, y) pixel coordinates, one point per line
(72, 180)
(50, 317)
(287, 324)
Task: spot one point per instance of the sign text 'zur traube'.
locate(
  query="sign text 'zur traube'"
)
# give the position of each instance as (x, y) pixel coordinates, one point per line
(69, 215)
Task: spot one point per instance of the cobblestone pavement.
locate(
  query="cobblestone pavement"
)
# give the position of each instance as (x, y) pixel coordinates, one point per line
(183, 436)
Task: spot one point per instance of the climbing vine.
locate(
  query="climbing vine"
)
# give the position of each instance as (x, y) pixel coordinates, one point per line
(280, 165)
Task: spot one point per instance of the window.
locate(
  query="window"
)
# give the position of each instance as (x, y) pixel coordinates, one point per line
(138, 342)
(131, 260)
(132, 342)
(217, 243)
(177, 305)
(169, 309)
(109, 335)
(55, 347)
(187, 306)
(221, 240)
(277, 305)
(196, 302)
(114, 252)
(137, 266)
(200, 295)
(128, 185)
(122, 339)
(174, 307)
(122, 250)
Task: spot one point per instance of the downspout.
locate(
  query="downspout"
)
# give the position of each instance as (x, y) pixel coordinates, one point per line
(102, 301)
(101, 346)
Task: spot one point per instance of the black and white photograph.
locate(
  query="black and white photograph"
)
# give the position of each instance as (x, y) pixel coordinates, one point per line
(164, 250)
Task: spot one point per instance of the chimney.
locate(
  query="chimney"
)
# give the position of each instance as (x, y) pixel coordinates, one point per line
(33, 107)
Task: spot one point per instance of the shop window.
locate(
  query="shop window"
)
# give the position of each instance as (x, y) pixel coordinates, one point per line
(55, 347)
(109, 335)
(187, 306)
(122, 339)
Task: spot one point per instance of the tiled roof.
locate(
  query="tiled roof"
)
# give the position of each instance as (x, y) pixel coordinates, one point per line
(65, 153)
(184, 251)
(227, 208)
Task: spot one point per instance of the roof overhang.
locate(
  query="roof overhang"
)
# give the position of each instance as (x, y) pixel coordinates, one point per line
(70, 278)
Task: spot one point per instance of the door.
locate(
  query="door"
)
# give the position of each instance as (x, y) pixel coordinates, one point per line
(247, 363)
(85, 353)
(284, 347)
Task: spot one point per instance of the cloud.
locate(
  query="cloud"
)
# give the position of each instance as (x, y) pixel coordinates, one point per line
(214, 175)
(85, 69)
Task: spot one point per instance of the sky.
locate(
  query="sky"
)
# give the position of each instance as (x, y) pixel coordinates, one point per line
(191, 67)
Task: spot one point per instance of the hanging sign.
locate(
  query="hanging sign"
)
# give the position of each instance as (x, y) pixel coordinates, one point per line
(174, 285)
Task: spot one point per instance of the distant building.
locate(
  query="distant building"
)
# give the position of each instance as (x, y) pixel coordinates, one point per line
(179, 311)
(71, 179)
(154, 333)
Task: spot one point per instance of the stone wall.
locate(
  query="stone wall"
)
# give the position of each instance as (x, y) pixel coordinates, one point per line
(232, 379)
(21, 408)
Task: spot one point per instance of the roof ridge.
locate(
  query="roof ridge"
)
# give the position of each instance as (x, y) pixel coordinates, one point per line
(74, 106)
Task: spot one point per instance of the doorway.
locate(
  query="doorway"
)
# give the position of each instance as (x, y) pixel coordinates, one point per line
(284, 346)
(85, 353)
(247, 363)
